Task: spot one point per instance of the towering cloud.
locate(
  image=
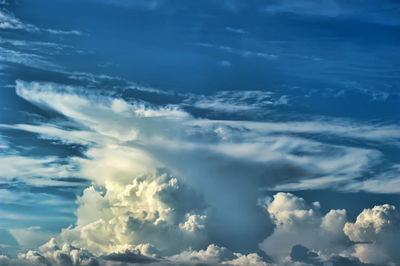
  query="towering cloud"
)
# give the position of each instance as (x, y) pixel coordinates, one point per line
(166, 186)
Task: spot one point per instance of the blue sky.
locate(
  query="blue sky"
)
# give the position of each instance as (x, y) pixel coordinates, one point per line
(199, 132)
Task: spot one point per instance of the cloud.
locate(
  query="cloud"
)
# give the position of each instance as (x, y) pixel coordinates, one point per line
(28, 238)
(34, 170)
(158, 173)
(63, 32)
(298, 222)
(9, 22)
(376, 233)
(381, 12)
(236, 30)
(386, 182)
(225, 63)
(237, 101)
(26, 59)
(145, 5)
(370, 239)
(155, 210)
(51, 254)
(215, 255)
(328, 8)
(108, 121)
(239, 52)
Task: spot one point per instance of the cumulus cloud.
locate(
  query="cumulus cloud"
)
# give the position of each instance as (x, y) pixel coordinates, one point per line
(298, 222)
(52, 254)
(376, 233)
(151, 209)
(158, 174)
(304, 234)
(215, 255)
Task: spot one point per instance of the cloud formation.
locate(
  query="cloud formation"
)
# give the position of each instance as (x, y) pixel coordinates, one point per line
(109, 121)
(155, 210)
(151, 197)
(371, 239)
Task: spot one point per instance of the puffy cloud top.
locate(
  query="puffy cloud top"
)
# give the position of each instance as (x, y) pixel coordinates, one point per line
(373, 238)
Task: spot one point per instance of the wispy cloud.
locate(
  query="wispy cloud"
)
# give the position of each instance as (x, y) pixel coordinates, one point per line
(381, 12)
(146, 5)
(234, 101)
(9, 22)
(113, 120)
(236, 30)
(240, 52)
(26, 59)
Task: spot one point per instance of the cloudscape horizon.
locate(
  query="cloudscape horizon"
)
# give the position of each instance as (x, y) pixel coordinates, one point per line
(204, 132)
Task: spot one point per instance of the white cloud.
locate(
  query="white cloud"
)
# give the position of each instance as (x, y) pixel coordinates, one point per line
(297, 222)
(9, 22)
(29, 60)
(149, 209)
(193, 222)
(28, 238)
(135, 203)
(51, 254)
(237, 101)
(35, 171)
(215, 255)
(386, 182)
(376, 233)
(372, 238)
(108, 122)
(63, 32)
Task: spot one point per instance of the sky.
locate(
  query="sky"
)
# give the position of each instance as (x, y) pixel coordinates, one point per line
(203, 132)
